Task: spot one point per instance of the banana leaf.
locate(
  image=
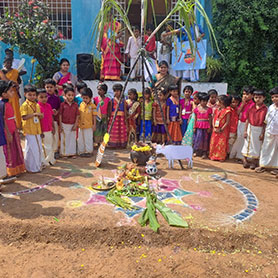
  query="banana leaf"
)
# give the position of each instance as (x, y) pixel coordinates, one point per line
(149, 214)
(171, 217)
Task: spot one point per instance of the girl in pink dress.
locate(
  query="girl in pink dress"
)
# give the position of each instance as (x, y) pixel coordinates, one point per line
(202, 126)
(102, 103)
(186, 107)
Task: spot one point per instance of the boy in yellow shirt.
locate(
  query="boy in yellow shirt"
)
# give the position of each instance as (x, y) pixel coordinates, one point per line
(87, 123)
(31, 115)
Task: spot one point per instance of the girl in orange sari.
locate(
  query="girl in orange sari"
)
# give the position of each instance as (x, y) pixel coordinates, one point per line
(13, 75)
(219, 143)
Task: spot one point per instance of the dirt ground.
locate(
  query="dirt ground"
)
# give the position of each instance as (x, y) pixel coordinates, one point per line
(62, 228)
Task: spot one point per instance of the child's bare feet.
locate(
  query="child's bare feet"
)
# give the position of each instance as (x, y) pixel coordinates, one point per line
(260, 170)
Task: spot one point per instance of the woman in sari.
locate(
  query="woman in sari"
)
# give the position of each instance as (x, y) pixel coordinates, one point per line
(13, 75)
(111, 51)
(64, 76)
(163, 79)
(219, 143)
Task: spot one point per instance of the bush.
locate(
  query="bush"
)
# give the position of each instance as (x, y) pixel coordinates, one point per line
(247, 33)
(30, 30)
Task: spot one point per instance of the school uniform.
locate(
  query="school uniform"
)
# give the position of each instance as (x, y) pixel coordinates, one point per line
(252, 144)
(47, 127)
(236, 151)
(233, 128)
(85, 134)
(32, 130)
(269, 152)
(68, 112)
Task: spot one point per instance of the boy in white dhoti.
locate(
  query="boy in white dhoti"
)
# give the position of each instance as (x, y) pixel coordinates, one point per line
(269, 152)
(69, 118)
(87, 123)
(246, 104)
(47, 126)
(133, 45)
(31, 115)
(254, 131)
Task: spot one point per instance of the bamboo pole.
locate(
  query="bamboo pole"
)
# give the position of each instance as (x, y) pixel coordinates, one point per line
(142, 67)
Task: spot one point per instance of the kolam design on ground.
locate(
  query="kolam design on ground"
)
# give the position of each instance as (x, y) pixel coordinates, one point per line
(251, 200)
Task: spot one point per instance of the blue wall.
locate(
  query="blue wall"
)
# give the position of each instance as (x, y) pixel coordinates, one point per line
(83, 15)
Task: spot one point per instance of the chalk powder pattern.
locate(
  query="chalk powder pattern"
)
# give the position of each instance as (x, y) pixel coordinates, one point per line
(251, 201)
(169, 191)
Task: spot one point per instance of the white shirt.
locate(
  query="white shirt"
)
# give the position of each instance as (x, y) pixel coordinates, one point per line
(133, 46)
(272, 120)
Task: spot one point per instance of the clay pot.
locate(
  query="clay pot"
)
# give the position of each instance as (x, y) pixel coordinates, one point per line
(140, 158)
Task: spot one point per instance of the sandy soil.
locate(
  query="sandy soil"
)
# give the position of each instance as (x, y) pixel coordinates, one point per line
(58, 230)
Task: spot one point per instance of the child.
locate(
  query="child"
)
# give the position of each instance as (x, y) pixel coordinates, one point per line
(159, 132)
(132, 48)
(236, 100)
(68, 118)
(80, 87)
(118, 136)
(269, 152)
(246, 104)
(55, 102)
(47, 126)
(148, 116)
(87, 123)
(202, 126)
(174, 115)
(186, 107)
(212, 103)
(102, 102)
(31, 115)
(12, 150)
(220, 135)
(254, 130)
(3, 142)
(13, 75)
(151, 49)
(133, 107)
(187, 139)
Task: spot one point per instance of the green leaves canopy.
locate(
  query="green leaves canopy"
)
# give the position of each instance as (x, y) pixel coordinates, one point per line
(30, 30)
(247, 33)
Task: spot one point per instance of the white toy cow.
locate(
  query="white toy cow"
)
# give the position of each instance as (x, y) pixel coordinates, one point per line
(176, 152)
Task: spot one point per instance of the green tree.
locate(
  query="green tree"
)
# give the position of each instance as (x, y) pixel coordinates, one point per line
(30, 30)
(247, 33)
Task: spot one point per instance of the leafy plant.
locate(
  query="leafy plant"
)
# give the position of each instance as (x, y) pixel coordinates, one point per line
(247, 33)
(30, 30)
(213, 71)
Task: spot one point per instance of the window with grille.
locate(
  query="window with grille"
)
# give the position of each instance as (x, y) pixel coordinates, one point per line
(59, 13)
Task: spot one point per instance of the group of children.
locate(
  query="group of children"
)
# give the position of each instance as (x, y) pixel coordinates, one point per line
(67, 125)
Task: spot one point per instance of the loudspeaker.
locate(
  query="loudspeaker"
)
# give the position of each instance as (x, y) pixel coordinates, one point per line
(85, 66)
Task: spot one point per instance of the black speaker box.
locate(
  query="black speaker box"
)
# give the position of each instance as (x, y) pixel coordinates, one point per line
(85, 66)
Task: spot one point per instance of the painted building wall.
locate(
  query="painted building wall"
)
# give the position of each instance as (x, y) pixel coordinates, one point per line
(83, 15)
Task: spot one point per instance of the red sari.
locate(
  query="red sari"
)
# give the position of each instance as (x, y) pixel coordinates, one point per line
(111, 53)
(13, 151)
(219, 140)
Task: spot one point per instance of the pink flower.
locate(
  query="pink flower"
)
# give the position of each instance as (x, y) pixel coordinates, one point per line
(35, 7)
(45, 21)
(21, 33)
(30, 3)
(16, 14)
